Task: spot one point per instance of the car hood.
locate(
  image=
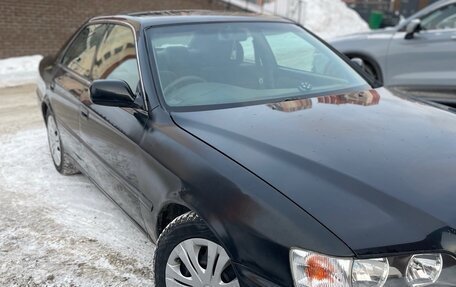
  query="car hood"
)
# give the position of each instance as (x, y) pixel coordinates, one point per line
(376, 169)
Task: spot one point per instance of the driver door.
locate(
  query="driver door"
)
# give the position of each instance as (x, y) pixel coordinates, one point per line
(111, 135)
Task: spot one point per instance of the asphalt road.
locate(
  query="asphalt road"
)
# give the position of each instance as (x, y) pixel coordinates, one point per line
(58, 230)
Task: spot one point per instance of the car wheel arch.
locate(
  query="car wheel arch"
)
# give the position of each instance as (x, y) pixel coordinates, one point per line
(167, 214)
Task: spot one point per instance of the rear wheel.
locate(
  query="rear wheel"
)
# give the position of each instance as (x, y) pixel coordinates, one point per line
(61, 161)
(188, 254)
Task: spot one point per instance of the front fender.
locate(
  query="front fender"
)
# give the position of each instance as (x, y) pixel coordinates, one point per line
(255, 223)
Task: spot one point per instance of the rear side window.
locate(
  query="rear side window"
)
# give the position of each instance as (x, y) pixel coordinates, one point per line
(116, 56)
(80, 54)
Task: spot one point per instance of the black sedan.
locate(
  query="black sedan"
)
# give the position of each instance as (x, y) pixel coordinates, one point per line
(253, 154)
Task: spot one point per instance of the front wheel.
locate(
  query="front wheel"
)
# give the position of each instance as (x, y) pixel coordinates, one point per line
(371, 69)
(61, 161)
(188, 254)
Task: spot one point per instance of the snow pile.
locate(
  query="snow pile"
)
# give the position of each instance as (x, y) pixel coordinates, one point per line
(331, 18)
(326, 18)
(19, 71)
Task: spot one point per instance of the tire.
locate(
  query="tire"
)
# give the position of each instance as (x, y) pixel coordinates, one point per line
(370, 68)
(371, 71)
(62, 162)
(181, 257)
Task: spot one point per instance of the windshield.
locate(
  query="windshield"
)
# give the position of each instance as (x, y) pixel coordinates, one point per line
(238, 63)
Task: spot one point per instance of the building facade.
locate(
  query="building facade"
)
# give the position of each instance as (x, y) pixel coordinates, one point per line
(41, 27)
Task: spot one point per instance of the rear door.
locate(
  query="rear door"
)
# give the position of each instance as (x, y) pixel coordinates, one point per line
(110, 134)
(429, 59)
(70, 85)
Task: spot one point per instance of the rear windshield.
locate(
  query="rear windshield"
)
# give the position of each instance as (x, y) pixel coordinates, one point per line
(239, 63)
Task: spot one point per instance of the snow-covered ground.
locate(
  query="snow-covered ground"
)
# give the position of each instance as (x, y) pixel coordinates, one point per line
(19, 70)
(326, 18)
(57, 230)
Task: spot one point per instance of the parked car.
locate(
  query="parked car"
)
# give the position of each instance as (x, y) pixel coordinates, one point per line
(253, 154)
(419, 53)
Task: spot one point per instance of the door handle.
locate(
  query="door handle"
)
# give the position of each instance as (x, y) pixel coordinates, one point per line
(453, 37)
(84, 112)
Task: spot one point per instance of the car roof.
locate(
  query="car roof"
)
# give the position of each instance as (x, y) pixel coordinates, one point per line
(166, 17)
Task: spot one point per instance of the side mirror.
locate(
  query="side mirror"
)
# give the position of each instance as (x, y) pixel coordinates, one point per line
(113, 93)
(358, 61)
(413, 27)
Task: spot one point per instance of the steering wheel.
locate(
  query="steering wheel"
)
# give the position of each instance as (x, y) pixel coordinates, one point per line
(182, 81)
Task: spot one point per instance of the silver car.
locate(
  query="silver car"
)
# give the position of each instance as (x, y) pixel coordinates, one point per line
(419, 53)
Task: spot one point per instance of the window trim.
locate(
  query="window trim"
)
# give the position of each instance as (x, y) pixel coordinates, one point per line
(75, 74)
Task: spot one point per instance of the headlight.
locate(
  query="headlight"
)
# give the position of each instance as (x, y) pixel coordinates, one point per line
(370, 272)
(310, 269)
(424, 269)
(316, 270)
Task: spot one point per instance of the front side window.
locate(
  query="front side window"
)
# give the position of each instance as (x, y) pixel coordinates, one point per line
(116, 56)
(79, 55)
(441, 19)
(237, 63)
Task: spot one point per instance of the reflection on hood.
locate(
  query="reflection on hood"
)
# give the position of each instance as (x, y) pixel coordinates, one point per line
(365, 98)
(292, 106)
